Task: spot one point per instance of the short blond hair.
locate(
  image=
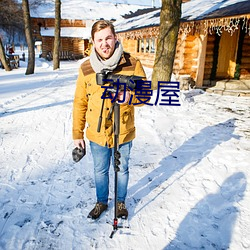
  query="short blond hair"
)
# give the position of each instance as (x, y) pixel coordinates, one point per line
(101, 24)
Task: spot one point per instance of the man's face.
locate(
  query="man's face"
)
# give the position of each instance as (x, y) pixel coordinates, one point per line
(104, 42)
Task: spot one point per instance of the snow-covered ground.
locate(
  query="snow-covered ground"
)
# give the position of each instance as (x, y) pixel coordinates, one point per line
(189, 171)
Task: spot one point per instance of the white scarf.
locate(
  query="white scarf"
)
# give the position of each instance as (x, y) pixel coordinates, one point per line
(98, 64)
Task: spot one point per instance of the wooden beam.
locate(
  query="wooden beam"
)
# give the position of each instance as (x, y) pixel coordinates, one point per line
(201, 60)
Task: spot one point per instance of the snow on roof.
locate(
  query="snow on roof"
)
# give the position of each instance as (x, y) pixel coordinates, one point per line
(197, 9)
(192, 10)
(85, 10)
(80, 32)
(145, 20)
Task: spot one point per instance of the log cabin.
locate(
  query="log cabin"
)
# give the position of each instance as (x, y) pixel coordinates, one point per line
(74, 37)
(77, 19)
(213, 41)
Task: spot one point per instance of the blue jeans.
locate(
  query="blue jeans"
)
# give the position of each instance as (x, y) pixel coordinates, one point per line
(102, 158)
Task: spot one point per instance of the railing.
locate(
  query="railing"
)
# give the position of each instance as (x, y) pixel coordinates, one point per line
(63, 55)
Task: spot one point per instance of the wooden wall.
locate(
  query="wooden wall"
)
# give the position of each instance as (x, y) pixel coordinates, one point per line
(178, 61)
(186, 56)
(47, 45)
(38, 23)
(245, 60)
(214, 43)
(131, 46)
(76, 46)
(198, 55)
(146, 59)
(73, 45)
(209, 58)
(50, 22)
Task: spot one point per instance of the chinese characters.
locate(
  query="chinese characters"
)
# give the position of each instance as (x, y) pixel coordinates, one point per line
(167, 93)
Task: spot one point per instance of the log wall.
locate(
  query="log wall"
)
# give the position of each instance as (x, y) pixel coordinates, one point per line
(209, 57)
(132, 46)
(178, 61)
(73, 45)
(189, 55)
(245, 60)
(50, 22)
(76, 46)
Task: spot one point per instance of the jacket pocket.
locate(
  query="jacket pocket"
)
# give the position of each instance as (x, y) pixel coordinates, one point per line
(127, 119)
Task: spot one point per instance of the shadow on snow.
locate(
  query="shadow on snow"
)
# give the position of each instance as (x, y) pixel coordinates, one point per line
(23, 110)
(209, 225)
(190, 153)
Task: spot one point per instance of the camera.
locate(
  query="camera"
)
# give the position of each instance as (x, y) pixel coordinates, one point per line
(78, 153)
(131, 82)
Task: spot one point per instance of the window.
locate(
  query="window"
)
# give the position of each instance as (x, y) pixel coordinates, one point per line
(146, 45)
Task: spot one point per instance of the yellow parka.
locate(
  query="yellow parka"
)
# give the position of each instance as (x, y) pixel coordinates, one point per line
(87, 105)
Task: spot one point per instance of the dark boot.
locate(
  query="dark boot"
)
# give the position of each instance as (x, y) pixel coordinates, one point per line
(122, 211)
(97, 210)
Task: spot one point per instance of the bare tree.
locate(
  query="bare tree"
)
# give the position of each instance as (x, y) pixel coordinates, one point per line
(3, 57)
(56, 59)
(168, 34)
(11, 16)
(11, 24)
(36, 3)
(28, 33)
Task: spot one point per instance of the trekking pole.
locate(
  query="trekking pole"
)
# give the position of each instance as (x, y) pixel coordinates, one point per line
(117, 156)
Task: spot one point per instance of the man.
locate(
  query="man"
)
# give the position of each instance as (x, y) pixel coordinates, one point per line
(107, 54)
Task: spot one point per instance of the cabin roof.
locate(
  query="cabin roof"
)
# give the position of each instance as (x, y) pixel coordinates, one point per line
(77, 32)
(85, 10)
(193, 10)
(208, 9)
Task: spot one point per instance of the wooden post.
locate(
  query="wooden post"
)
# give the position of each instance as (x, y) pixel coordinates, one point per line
(201, 60)
(144, 45)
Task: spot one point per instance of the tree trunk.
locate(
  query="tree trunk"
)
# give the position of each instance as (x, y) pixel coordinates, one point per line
(56, 59)
(29, 38)
(168, 34)
(3, 57)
